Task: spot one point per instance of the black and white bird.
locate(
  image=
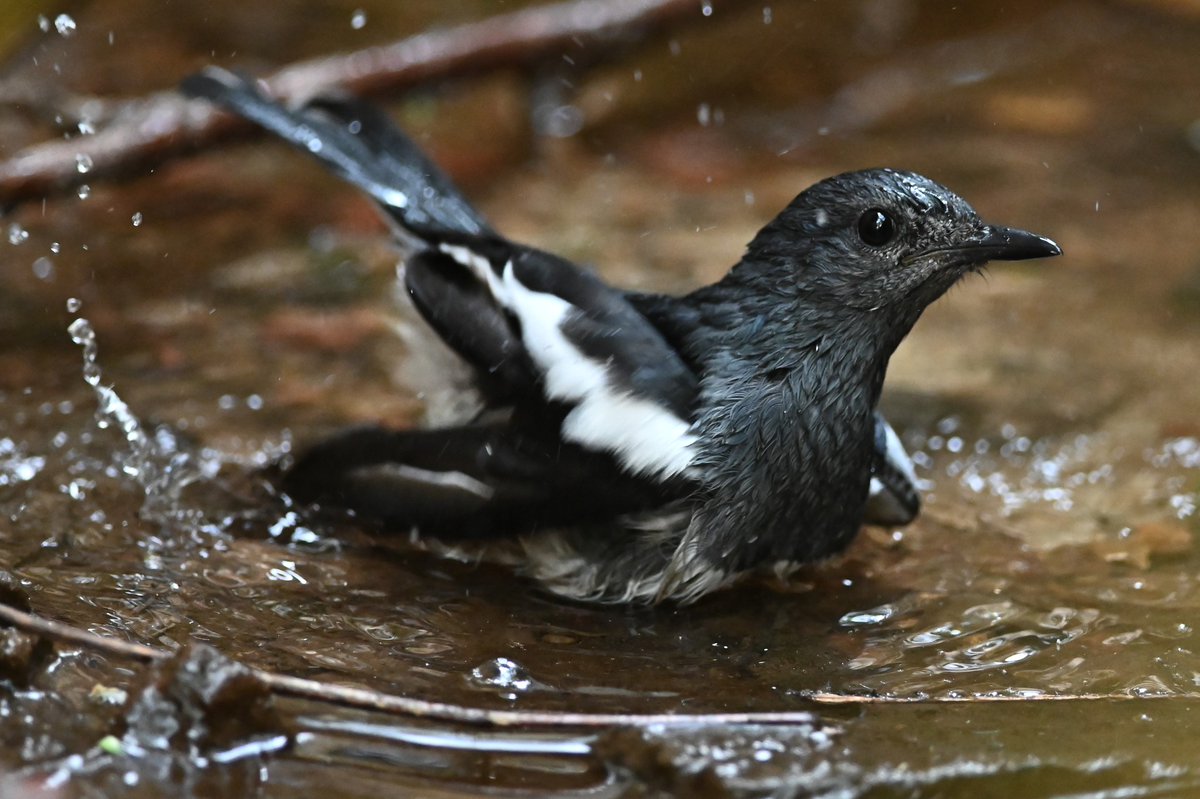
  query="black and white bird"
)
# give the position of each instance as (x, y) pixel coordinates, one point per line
(650, 447)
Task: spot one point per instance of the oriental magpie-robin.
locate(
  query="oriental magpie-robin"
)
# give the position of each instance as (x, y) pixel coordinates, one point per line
(650, 447)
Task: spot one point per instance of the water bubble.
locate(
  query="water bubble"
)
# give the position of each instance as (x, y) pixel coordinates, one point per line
(43, 23)
(86, 128)
(706, 8)
(136, 219)
(358, 19)
(83, 163)
(43, 268)
(64, 24)
(637, 76)
(17, 234)
(84, 191)
(768, 17)
(704, 114)
(74, 304)
(55, 247)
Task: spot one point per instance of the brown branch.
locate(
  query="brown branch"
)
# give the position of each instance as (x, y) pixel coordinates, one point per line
(364, 698)
(148, 131)
(57, 631)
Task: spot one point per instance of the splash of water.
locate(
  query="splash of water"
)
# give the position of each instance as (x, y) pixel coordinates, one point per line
(154, 461)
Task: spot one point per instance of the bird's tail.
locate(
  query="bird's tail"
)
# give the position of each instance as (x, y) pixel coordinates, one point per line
(359, 143)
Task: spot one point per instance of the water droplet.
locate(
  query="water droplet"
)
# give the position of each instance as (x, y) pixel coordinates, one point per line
(861, 618)
(502, 673)
(358, 19)
(81, 331)
(84, 191)
(64, 24)
(768, 17)
(136, 219)
(43, 268)
(74, 304)
(83, 163)
(558, 121)
(704, 114)
(17, 234)
(86, 128)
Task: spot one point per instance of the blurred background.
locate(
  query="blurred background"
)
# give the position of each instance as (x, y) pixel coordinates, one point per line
(244, 303)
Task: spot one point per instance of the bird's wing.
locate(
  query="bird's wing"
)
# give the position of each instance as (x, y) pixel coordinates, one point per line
(544, 329)
(470, 482)
(626, 390)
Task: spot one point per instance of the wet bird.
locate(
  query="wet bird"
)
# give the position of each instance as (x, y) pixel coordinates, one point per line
(643, 447)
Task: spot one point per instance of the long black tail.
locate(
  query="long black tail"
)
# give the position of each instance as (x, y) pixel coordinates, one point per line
(359, 143)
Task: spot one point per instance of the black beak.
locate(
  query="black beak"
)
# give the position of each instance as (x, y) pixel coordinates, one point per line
(1010, 244)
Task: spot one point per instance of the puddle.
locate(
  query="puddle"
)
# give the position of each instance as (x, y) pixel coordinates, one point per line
(223, 320)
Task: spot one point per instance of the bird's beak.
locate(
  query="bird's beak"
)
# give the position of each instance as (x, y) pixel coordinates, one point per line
(1010, 244)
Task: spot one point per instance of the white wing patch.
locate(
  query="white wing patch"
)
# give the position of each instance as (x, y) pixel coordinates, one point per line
(645, 437)
(898, 457)
(882, 505)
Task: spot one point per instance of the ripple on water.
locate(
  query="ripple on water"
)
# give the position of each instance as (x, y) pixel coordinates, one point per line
(950, 653)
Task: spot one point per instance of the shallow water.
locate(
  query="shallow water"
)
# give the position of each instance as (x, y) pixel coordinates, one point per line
(243, 302)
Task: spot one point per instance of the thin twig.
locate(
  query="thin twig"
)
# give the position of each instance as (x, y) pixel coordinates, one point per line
(145, 132)
(973, 699)
(407, 706)
(57, 631)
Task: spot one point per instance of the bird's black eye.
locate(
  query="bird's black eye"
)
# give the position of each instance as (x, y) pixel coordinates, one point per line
(875, 227)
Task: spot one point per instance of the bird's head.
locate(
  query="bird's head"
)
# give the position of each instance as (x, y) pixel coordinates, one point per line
(881, 240)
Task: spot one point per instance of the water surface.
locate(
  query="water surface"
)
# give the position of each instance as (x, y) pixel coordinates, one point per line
(243, 303)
